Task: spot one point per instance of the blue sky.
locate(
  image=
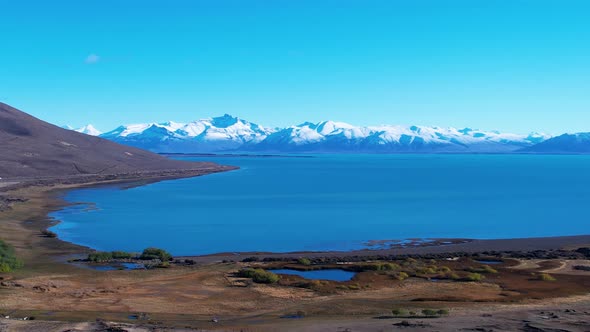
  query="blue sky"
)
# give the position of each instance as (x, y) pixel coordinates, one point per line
(509, 65)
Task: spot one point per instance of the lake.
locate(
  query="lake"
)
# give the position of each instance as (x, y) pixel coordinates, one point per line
(336, 202)
(331, 274)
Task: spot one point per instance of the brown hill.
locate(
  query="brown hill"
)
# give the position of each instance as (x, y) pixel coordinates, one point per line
(31, 148)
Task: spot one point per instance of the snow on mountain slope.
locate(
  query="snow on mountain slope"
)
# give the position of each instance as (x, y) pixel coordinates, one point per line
(228, 133)
(89, 130)
(205, 135)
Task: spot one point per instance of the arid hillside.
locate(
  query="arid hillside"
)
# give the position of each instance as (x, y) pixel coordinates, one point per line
(31, 148)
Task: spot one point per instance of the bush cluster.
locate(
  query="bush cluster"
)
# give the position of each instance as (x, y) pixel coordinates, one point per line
(546, 277)
(304, 261)
(259, 276)
(483, 269)
(100, 256)
(8, 259)
(474, 277)
(378, 267)
(400, 312)
(155, 253)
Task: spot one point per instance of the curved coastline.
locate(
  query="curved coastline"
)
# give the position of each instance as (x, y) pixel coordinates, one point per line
(30, 201)
(54, 201)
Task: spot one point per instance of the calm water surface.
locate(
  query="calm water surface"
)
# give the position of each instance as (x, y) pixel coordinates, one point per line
(332, 274)
(337, 202)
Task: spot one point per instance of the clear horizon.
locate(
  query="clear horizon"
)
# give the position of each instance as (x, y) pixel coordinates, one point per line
(512, 66)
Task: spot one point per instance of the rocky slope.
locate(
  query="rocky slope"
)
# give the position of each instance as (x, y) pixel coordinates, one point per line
(31, 148)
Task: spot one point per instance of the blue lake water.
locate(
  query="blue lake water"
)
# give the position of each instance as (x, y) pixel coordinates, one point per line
(332, 274)
(337, 202)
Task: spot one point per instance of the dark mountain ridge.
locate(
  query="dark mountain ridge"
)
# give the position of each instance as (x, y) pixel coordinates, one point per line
(565, 144)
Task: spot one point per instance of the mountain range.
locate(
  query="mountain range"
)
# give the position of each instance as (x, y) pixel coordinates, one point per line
(231, 134)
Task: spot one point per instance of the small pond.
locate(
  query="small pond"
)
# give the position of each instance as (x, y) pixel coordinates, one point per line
(331, 274)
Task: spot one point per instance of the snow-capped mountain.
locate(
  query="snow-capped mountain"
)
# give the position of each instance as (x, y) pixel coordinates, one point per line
(331, 136)
(88, 130)
(206, 135)
(228, 133)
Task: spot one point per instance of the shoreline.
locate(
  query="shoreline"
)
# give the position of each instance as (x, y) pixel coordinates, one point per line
(464, 246)
(25, 205)
(51, 196)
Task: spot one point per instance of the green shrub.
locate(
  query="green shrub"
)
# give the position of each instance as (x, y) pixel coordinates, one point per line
(483, 269)
(444, 269)
(8, 259)
(100, 256)
(429, 313)
(443, 312)
(426, 270)
(304, 261)
(401, 276)
(453, 276)
(474, 277)
(155, 253)
(398, 312)
(121, 255)
(546, 277)
(259, 276)
(378, 267)
(370, 267)
(390, 267)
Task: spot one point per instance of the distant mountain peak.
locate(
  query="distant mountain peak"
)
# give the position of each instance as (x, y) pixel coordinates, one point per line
(89, 130)
(224, 121)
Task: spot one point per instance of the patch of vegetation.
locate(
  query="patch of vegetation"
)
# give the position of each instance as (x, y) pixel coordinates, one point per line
(122, 255)
(401, 276)
(259, 276)
(546, 277)
(312, 284)
(251, 259)
(444, 269)
(443, 312)
(105, 256)
(100, 256)
(155, 253)
(8, 259)
(48, 233)
(304, 261)
(426, 270)
(390, 267)
(452, 276)
(430, 313)
(474, 277)
(377, 267)
(482, 269)
(399, 312)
